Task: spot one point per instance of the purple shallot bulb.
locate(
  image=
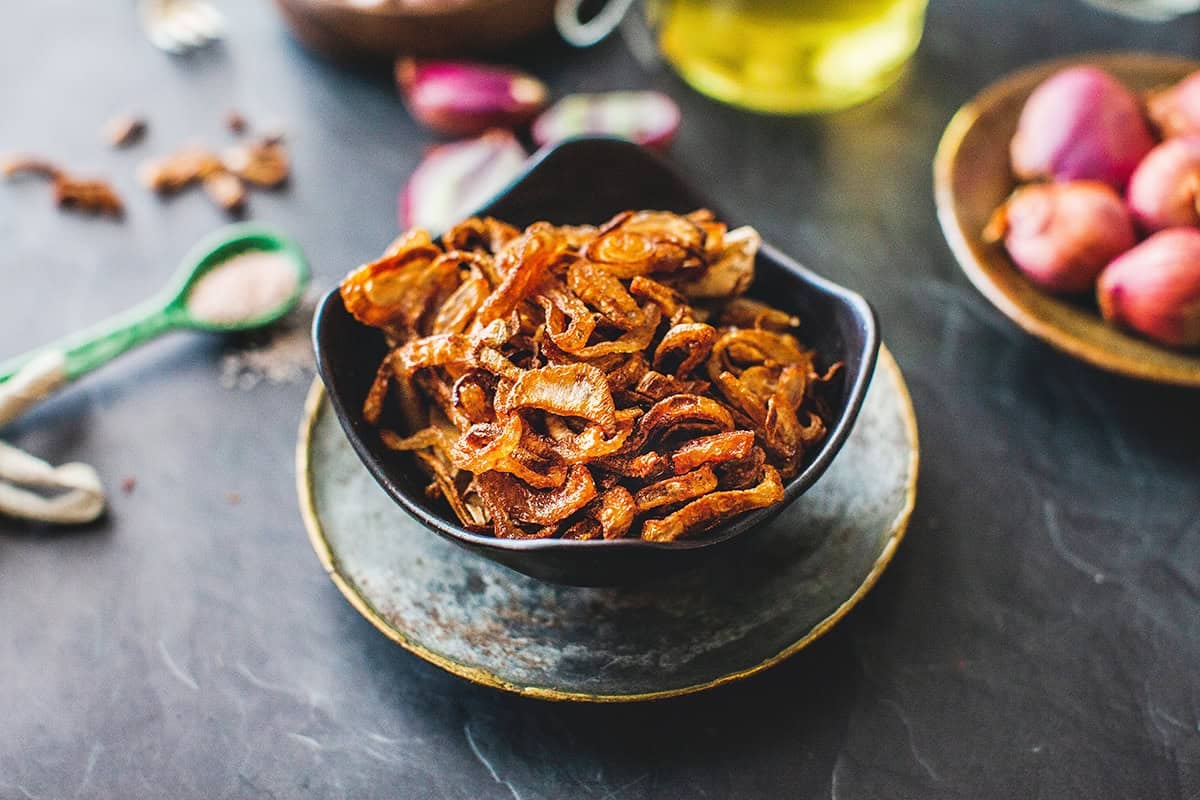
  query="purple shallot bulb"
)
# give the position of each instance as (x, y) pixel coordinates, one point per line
(460, 98)
(1061, 235)
(456, 178)
(1154, 288)
(1080, 124)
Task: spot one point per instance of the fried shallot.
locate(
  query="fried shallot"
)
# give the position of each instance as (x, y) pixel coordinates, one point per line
(590, 383)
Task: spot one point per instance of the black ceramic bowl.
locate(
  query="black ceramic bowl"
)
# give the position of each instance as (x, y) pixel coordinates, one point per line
(836, 322)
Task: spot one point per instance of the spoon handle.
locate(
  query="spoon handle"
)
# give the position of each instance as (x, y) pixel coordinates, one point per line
(85, 351)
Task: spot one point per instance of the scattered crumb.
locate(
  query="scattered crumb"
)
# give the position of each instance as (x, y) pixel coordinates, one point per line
(263, 162)
(236, 123)
(125, 130)
(280, 354)
(233, 498)
(128, 484)
(95, 196)
(14, 165)
(173, 172)
(226, 190)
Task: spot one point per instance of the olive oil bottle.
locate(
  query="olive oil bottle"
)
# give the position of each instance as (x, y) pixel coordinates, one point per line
(789, 56)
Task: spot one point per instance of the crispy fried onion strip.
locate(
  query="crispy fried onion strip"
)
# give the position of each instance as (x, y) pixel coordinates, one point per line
(476, 349)
(377, 394)
(733, 272)
(485, 445)
(559, 304)
(522, 263)
(590, 443)
(689, 412)
(599, 289)
(656, 386)
(684, 347)
(676, 489)
(508, 499)
(572, 390)
(743, 312)
(399, 287)
(632, 341)
(672, 304)
(487, 235)
(739, 348)
(609, 516)
(444, 483)
(589, 382)
(715, 508)
(714, 449)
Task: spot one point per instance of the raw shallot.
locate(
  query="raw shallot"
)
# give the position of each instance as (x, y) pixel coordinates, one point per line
(1176, 111)
(459, 98)
(1061, 235)
(456, 178)
(648, 118)
(1155, 288)
(1080, 124)
(1163, 191)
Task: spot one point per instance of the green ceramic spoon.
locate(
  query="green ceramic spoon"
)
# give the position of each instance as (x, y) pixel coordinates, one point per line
(168, 311)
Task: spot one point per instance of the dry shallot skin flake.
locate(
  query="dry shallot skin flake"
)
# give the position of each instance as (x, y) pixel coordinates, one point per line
(125, 130)
(589, 382)
(87, 195)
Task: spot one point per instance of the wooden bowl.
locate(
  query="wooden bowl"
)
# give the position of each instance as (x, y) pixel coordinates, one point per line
(971, 177)
(347, 32)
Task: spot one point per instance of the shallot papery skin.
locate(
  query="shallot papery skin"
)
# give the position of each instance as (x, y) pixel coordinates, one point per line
(1176, 111)
(1155, 288)
(1163, 190)
(1080, 124)
(456, 178)
(647, 118)
(459, 98)
(1061, 235)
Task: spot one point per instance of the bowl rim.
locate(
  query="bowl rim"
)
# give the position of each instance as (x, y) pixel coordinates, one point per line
(391, 11)
(793, 489)
(963, 243)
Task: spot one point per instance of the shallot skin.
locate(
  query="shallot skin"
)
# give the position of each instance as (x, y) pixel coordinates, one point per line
(1163, 190)
(1080, 124)
(1061, 235)
(1176, 111)
(648, 118)
(1154, 289)
(456, 177)
(460, 98)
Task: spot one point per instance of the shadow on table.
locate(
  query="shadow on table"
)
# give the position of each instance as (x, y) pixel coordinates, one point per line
(694, 744)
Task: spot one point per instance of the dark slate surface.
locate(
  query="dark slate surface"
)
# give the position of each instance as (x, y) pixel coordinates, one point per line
(1037, 635)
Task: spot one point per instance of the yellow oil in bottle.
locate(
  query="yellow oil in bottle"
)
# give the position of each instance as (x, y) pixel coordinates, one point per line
(789, 56)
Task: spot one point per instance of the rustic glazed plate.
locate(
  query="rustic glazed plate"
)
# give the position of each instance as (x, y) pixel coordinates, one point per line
(972, 177)
(722, 621)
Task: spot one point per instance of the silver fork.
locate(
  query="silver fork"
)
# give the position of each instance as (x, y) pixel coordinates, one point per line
(177, 26)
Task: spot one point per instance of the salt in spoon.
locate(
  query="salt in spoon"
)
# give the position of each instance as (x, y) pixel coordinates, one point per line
(177, 307)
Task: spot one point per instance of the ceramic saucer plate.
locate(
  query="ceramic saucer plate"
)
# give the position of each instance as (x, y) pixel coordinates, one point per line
(724, 620)
(972, 177)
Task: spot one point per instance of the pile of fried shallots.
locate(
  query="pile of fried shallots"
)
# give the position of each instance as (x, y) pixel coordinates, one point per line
(589, 382)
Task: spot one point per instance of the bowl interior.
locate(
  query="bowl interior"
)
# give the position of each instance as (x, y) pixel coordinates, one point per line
(972, 177)
(839, 324)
